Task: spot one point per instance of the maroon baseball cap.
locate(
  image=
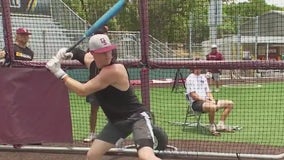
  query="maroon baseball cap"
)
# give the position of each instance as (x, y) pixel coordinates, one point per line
(22, 30)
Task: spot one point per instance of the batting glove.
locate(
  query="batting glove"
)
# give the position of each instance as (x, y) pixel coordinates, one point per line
(54, 67)
(63, 55)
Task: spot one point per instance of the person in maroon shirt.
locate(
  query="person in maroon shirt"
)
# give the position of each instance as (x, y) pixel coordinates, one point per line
(215, 55)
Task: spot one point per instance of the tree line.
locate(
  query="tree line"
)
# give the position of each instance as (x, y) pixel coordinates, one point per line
(170, 20)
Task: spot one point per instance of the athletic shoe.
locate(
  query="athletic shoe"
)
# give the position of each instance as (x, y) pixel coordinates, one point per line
(119, 143)
(220, 127)
(216, 90)
(223, 128)
(90, 138)
(213, 131)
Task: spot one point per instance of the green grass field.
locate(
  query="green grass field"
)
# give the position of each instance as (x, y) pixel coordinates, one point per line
(259, 111)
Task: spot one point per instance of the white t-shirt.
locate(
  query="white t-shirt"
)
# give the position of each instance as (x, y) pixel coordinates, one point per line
(198, 84)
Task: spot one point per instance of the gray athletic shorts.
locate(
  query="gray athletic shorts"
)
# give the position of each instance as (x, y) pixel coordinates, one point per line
(197, 105)
(138, 124)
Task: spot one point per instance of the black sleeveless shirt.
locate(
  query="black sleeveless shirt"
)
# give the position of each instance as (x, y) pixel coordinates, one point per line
(119, 105)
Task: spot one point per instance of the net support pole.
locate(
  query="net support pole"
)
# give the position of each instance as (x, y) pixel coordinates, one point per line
(133, 152)
(144, 34)
(7, 28)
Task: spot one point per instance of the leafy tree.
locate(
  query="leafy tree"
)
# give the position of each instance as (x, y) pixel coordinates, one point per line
(92, 10)
(169, 19)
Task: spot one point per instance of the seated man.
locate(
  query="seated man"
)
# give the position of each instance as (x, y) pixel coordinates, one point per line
(203, 101)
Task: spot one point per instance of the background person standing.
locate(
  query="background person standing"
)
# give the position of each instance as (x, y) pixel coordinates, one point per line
(21, 50)
(215, 55)
(87, 58)
(93, 71)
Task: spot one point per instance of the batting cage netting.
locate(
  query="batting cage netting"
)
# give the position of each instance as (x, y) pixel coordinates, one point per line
(238, 46)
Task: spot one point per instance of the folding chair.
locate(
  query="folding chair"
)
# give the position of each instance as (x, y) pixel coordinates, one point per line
(191, 114)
